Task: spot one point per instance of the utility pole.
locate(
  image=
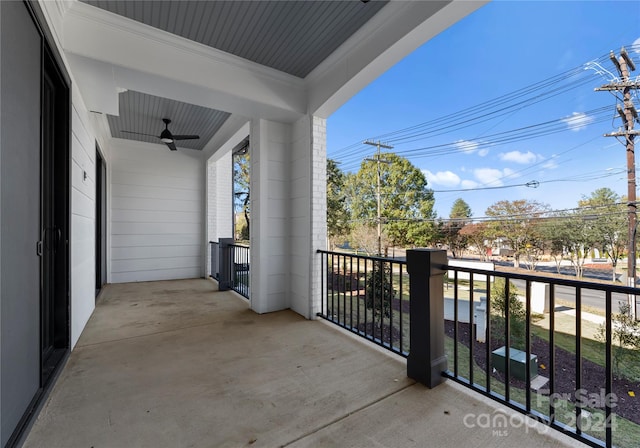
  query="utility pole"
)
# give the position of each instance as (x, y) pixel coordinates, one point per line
(378, 161)
(624, 64)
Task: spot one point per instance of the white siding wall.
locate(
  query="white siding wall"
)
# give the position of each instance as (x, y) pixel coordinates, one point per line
(156, 213)
(83, 211)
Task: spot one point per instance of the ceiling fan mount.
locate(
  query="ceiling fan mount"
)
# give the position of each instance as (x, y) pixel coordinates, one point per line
(166, 136)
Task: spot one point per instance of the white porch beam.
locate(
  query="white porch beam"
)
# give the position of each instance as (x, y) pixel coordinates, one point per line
(159, 63)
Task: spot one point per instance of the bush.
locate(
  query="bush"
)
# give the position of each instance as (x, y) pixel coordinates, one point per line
(517, 314)
(380, 290)
(625, 335)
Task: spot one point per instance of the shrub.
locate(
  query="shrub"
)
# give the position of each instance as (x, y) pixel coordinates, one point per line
(625, 335)
(380, 290)
(517, 314)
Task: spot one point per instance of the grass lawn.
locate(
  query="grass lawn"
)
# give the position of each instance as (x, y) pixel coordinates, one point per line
(626, 434)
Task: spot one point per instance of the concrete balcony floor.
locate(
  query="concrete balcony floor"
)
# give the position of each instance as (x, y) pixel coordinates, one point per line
(179, 364)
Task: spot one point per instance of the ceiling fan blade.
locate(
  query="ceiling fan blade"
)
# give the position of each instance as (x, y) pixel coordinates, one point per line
(139, 133)
(186, 137)
(172, 146)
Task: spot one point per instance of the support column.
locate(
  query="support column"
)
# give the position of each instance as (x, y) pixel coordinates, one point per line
(270, 215)
(426, 361)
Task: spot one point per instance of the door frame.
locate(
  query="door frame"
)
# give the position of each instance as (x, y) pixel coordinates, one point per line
(101, 220)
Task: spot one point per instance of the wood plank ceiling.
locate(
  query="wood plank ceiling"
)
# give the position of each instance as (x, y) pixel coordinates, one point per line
(143, 113)
(292, 36)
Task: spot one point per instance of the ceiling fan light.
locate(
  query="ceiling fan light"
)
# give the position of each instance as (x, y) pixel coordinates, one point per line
(166, 140)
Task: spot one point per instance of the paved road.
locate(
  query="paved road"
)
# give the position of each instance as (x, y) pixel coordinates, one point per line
(594, 299)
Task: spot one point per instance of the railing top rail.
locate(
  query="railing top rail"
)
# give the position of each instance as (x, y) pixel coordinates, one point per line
(239, 245)
(545, 279)
(364, 257)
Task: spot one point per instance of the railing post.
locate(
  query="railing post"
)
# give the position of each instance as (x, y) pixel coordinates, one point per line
(426, 361)
(213, 247)
(225, 264)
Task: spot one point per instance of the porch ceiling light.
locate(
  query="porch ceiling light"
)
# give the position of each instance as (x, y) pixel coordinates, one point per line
(166, 136)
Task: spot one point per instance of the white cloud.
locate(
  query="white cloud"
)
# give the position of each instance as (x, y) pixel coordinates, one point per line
(446, 178)
(467, 183)
(492, 177)
(551, 163)
(519, 157)
(483, 152)
(578, 121)
(466, 146)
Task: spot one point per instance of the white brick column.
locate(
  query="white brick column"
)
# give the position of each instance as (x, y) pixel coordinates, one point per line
(288, 214)
(219, 202)
(270, 215)
(318, 228)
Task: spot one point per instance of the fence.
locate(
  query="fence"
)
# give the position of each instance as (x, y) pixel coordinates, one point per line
(230, 266)
(368, 296)
(532, 343)
(562, 351)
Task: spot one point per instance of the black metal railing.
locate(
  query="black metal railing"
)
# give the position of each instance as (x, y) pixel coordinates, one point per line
(535, 344)
(368, 296)
(240, 269)
(563, 352)
(230, 266)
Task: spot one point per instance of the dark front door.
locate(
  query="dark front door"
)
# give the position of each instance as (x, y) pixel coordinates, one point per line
(101, 222)
(54, 278)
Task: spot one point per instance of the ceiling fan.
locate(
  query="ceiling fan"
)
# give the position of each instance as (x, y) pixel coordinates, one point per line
(166, 136)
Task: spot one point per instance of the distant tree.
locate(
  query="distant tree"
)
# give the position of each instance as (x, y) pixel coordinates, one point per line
(450, 230)
(364, 237)
(337, 215)
(609, 218)
(554, 243)
(476, 235)
(242, 190)
(406, 202)
(460, 210)
(576, 233)
(517, 222)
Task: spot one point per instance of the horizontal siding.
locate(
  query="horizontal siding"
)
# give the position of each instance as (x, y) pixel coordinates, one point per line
(156, 214)
(83, 223)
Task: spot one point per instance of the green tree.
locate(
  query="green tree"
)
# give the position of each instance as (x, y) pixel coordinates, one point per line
(500, 296)
(609, 218)
(337, 215)
(406, 202)
(460, 210)
(517, 223)
(242, 190)
(450, 230)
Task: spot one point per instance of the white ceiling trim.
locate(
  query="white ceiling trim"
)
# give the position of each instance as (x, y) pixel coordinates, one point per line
(131, 46)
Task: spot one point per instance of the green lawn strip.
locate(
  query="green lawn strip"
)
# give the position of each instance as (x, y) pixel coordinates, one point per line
(626, 433)
(594, 351)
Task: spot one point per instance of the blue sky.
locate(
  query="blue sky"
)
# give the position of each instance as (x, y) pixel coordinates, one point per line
(502, 48)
